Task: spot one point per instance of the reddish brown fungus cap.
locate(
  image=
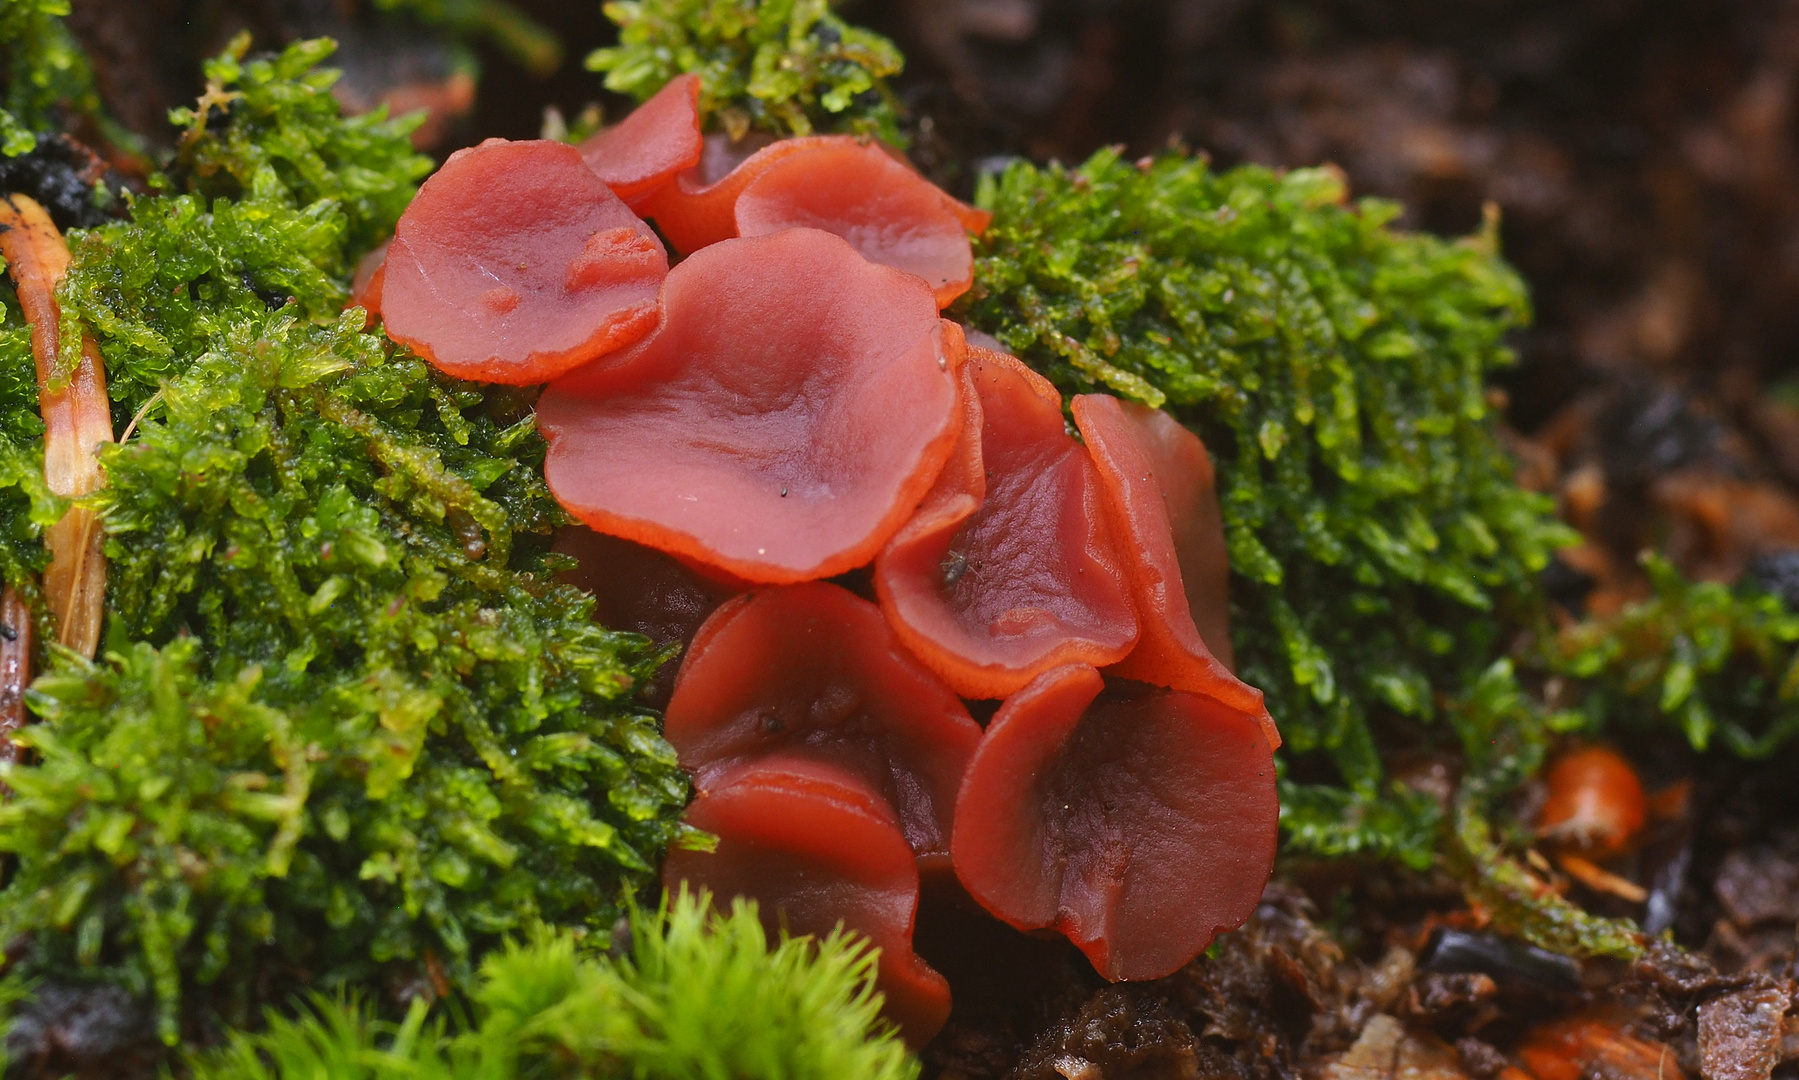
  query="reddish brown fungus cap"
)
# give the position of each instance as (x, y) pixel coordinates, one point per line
(813, 671)
(1157, 481)
(646, 149)
(1139, 822)
(1009, 568)
(515, 263)
(816, 848)
(858, 191)
(782, 422)
(694, 214)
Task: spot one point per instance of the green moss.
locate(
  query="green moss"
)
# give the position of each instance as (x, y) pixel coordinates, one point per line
(1517, 901)
(48, 83)
(1697, 657)
(26, 505)
(346, 722)
(279, 200)
(1335, 368)
(285, 139)
(702, 996)
(788, 67)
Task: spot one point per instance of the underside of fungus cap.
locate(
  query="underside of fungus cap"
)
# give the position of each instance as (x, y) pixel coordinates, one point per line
(694, 214)
(784, 420)
(812, 671)
(649, 147)
(1010, 567)
(1139, 822)
(1157, 481)
(642, 591)
(365, 287)
(515, 263)
(817, 850)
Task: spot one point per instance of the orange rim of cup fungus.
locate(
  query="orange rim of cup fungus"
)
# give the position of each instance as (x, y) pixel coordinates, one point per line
(786, 405)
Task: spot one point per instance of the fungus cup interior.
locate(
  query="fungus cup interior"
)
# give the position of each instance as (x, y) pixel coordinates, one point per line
(785, 418)
(1156, 480)
(858, 191)
(515, 264)
(657, 140)
(1140, 822)
(817, 849)
(1010, 567)
(812, 671)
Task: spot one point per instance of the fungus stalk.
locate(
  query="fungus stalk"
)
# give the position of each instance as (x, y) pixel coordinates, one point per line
(77, 418)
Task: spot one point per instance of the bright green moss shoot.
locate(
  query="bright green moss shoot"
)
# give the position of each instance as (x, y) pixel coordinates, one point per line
(46, 78)
(26, 505)
(787, 67)
(1697, 657)
(284, 137)
(1335, 368)
(703, 996)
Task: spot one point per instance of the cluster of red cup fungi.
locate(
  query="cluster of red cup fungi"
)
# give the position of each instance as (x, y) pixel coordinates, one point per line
(786, 406)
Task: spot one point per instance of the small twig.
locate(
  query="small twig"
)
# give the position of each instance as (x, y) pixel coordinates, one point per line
(137, 417)
(77, 419)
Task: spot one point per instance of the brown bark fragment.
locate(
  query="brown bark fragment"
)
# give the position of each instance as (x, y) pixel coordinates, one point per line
(1740, 1034)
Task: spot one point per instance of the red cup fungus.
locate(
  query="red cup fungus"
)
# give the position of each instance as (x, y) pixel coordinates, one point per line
(813, 671)
(786, 405)
(818, 849)
(1140, 822)
(694, 214)
(858, 191)
(1157, 481)
(782, 422)
(854, 188)
(645, 150)
(515, 264)
(1009, 568)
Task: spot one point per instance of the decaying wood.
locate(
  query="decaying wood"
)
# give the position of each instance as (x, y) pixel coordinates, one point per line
(77, 419)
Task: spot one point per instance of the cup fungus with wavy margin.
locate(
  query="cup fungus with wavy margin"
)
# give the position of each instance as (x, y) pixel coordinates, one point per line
(1139, 822)
(781, 423)
(813, 671)
(817, 848)
(856, 188)
(515, 264)
(656, 141)
(1009, 568)
(862, 193)
(1157, 481)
